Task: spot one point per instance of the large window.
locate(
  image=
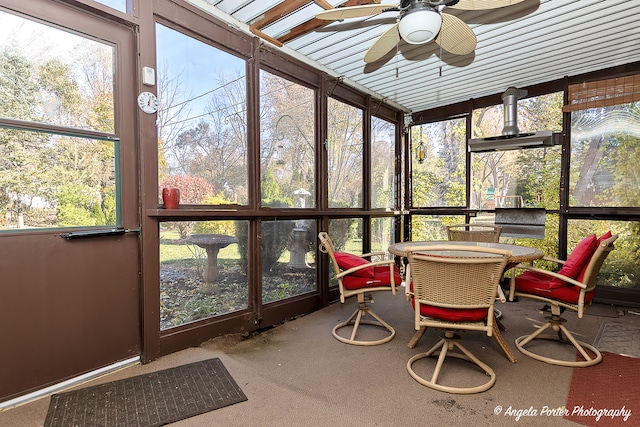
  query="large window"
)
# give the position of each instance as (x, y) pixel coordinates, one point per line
(518, 178)
(62, 82)
(604, 165)
(203, 270)
(605, 154)
(438, 164)
(202, 126)
(383, 149)
(288, 259)
(287, 143)
(345, 155)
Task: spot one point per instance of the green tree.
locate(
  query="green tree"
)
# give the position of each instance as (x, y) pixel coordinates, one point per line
(344, 154)
(21, 161)
(440, 179)
(287, 142)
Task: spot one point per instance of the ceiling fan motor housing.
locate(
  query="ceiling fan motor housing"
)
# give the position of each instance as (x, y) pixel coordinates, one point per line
(420, 23)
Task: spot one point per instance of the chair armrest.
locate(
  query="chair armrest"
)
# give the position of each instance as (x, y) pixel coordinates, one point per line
(370, 254)
(552, 274)
(551, 259)
(388, 262)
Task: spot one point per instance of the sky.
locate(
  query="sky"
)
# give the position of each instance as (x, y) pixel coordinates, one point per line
(196, 62)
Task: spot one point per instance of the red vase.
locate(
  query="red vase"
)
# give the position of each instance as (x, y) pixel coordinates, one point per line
(171, 198)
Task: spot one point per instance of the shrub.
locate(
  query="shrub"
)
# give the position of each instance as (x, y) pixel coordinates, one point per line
(276, 237)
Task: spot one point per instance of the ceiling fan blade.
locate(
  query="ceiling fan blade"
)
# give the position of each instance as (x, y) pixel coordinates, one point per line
(456, 36)
(340, 13)
(383, 45)
(483, 4)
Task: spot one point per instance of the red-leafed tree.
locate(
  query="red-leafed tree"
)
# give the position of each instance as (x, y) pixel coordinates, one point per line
(193, 191)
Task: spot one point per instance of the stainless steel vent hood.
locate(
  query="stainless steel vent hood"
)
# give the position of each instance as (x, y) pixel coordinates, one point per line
(511, 137)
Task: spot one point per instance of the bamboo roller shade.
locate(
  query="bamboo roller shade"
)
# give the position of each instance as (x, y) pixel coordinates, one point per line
(603, 93)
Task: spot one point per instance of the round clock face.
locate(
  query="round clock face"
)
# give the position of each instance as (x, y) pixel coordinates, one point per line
(148, 102)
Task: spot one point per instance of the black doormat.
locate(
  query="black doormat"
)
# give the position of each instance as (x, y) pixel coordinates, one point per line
(153, 399)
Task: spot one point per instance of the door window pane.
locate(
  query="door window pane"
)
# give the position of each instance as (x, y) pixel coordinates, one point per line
(383, 155)
(288, 259)
(54, 77)
(345, 155)
(203, 270)
(605, 156)
(438, 165)
(202, 129)
(56, 181)
(287, 149)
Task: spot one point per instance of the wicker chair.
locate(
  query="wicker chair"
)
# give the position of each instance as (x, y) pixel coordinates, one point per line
(360, 277)
(571, 288)
(479, 233)
(474, 232)
(454, 288)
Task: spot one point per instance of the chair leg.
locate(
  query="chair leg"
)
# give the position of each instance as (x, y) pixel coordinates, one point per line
(417, 336)
(503, 344)
(449, 342)
(556, 323)
(358, 315)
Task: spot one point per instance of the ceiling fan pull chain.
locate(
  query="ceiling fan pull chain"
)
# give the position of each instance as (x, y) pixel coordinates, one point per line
(440, 60)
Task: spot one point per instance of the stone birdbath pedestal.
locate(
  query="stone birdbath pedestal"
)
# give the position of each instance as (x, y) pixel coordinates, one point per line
(298, 248)
(212, 243)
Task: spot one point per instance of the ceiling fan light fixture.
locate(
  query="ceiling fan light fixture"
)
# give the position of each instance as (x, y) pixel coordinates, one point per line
(420, 25)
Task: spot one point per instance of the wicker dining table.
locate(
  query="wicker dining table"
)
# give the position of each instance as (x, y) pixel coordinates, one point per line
(519, 254)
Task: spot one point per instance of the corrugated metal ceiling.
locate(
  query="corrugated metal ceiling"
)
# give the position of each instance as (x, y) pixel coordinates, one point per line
(527, 43)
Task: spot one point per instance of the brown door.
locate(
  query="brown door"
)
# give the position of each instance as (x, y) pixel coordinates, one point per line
(69, 298)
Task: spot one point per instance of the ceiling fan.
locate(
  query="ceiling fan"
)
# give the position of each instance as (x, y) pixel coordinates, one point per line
(419, 22)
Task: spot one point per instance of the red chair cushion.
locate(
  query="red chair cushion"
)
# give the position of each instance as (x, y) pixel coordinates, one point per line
(531, 282)
(346, 261)
(381, 277)
(451, 314)
(454, 314)
(576, 261)
(605, 236)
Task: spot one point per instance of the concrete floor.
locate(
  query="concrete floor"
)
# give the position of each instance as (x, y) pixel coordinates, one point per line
(298, 374)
